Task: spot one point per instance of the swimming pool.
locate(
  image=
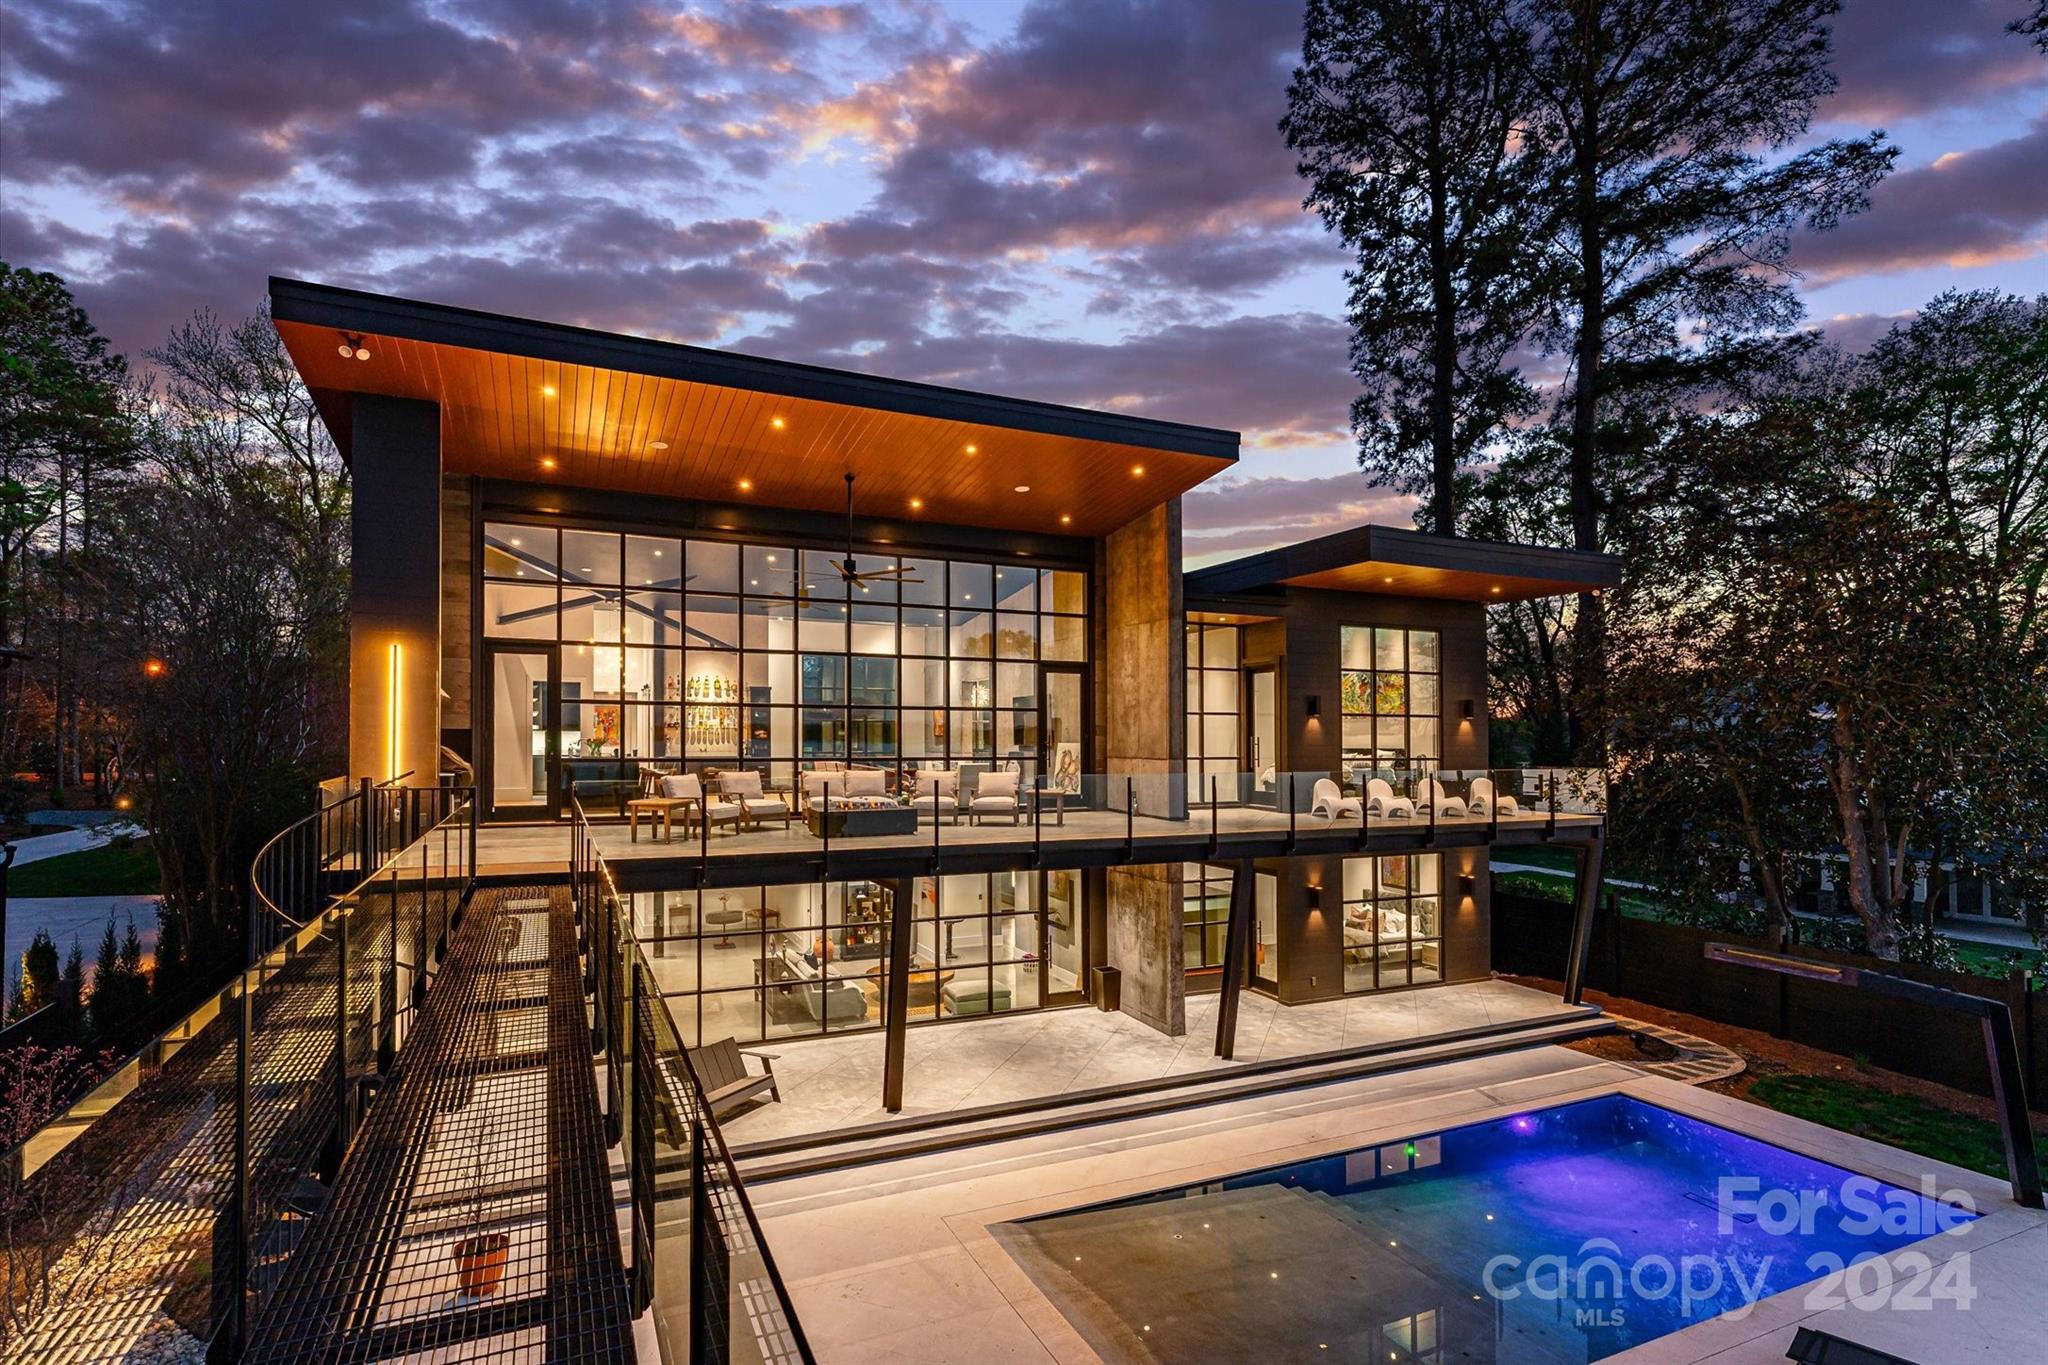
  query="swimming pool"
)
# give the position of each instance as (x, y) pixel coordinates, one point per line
(1562, 1235)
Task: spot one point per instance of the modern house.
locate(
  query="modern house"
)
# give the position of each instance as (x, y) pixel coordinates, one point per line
(1121, 934)
(584, 558)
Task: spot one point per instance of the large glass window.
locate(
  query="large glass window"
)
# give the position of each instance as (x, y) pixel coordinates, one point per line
(782, 961)
(712, 653)
(1205, 915)
(1393, 921)
(1391, 699)
(1214, 682)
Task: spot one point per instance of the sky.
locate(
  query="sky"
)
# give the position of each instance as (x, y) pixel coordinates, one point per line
(1083, 201)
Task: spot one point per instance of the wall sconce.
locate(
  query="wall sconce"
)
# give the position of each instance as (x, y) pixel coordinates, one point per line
(1466, 884)
(1312, 706)
(1465, 709)
(1315, 898)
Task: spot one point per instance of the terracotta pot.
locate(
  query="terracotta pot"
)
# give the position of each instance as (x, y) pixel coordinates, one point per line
(480, 1262)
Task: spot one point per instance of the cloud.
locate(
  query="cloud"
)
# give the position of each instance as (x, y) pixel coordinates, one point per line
(1856, 333)
(1250, 515)
(1895, 59)
(1967, 208)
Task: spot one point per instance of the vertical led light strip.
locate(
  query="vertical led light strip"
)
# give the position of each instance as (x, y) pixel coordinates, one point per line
(391, 742)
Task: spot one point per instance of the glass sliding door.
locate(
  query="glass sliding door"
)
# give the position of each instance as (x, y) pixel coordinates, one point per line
(520, 748)
(1261, 731)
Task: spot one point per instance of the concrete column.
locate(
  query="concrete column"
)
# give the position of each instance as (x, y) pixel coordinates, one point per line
(1141, 683)
(395, 590)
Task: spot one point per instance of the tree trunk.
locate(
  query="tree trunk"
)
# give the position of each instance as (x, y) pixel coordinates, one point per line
(1444, 364)
(1880, 933)
(1590, 629)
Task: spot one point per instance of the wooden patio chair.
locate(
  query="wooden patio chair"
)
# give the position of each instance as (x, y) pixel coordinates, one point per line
(722, 1069)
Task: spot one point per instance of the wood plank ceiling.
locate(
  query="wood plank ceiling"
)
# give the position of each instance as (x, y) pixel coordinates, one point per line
(517, 417)
(1410, 580)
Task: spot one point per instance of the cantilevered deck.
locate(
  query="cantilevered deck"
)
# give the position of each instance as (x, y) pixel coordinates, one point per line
(777, 855)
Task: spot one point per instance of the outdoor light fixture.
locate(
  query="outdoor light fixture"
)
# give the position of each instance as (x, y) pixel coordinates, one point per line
(1021, 488)
(1315, 898)
(777, 423)
(393, 672)
(1465, 709)
(352, 347)
(1312, 706)
(1465, 885)
(152, 668)
(657, 445)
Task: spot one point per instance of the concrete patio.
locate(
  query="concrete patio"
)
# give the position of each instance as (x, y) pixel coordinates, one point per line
(836, 1082)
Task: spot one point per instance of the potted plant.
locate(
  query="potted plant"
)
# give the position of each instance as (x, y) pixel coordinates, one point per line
(481, 1256)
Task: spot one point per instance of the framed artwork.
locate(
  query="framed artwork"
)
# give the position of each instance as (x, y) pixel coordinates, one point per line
(1066, 767)
(1394, 873)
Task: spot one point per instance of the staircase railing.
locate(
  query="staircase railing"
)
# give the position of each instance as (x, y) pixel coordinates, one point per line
(698, 1257)
(153, 1215)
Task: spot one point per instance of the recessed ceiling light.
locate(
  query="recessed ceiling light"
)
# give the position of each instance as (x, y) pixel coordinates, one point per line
(1137, 471)
(752, 583)
(746, 485)
(657, 445)
(547, 462)
(771, 559)
(777, 423)
(974, 450)
(657, 554)
(1496, 587)
(547, 390)
(1021, 488)
(1066, 519)
(917, 504)
(517, 541)
(1390, 578)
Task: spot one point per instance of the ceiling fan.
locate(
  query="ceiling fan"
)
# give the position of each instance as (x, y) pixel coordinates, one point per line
(855, 577)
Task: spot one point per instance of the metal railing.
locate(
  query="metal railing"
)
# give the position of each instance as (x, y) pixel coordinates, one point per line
(154, 1215)
(698, 1257)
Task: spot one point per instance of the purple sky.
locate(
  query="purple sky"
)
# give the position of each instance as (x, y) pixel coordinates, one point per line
(1079, 200)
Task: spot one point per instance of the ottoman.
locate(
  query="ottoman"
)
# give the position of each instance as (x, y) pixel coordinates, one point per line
(973, 998)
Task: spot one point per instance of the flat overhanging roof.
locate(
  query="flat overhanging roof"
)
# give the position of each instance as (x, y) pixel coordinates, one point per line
(1384, 559)
(656, 417)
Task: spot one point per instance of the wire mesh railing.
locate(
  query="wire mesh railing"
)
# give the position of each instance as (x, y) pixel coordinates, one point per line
(699, 1261)
(150, 1218)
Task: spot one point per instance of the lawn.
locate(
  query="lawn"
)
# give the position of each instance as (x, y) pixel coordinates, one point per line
(1902, 1121)
(123, 867)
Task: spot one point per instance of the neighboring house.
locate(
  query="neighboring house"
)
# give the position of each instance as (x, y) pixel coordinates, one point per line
(580, 557)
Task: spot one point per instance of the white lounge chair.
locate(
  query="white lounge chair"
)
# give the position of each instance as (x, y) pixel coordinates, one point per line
(1482, 800)
(1445, 804)
(1331, 802)
(744, 787)
(935, 792)
(714, 810)
(1384, 805)
(994, 794)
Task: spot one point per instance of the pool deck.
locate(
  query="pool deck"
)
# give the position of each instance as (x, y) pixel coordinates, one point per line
(896, 1261)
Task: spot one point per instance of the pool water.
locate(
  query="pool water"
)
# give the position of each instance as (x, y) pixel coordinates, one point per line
(1562, 1235)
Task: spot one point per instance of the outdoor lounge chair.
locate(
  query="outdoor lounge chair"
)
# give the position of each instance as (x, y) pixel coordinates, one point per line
(714, 810)
(1331, 802)
(1381, 801)
(935, 792)
(722, 1069)
(1444, 804)
(1482, 800)
(994, 794)
(743, 787)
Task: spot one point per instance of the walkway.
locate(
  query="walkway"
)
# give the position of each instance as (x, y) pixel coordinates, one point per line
(831, 1083)
(489, 1135)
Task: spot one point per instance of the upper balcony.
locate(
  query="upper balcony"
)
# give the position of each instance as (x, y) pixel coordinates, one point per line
(991, 822)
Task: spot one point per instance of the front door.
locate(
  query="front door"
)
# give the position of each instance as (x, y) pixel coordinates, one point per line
(521, 744)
